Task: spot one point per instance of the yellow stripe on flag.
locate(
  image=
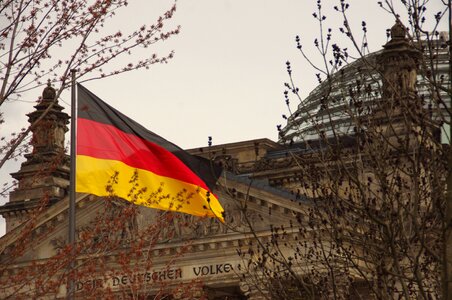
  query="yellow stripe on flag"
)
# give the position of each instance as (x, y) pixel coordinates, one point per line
(143, 187)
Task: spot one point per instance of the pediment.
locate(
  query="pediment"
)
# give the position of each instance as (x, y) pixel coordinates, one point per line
(44, 233)
(245, 202)
(182, 248)
(257, 202)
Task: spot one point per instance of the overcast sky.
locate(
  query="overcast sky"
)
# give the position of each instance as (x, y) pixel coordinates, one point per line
(227, 77)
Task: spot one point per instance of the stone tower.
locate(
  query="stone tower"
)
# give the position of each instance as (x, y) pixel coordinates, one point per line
(43, 178)
(401, 111)
(399, 63)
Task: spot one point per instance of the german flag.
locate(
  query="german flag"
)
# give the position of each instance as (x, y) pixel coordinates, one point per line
(116, 156)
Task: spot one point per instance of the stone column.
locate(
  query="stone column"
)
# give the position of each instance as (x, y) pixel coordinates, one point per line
(195, 291)
(255, 292)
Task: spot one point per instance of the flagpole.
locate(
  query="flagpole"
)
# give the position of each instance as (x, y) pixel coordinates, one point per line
(71, 285)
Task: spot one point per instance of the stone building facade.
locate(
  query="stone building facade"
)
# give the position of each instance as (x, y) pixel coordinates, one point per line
(261, 174)
(37, 215)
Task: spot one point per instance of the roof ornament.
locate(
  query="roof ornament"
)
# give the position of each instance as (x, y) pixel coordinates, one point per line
(398, 31)
(49, 92)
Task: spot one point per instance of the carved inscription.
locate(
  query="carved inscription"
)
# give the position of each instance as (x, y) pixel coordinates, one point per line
(124, 280)
(212, 269)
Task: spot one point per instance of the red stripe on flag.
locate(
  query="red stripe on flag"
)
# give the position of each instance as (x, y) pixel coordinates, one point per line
(108, 142)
